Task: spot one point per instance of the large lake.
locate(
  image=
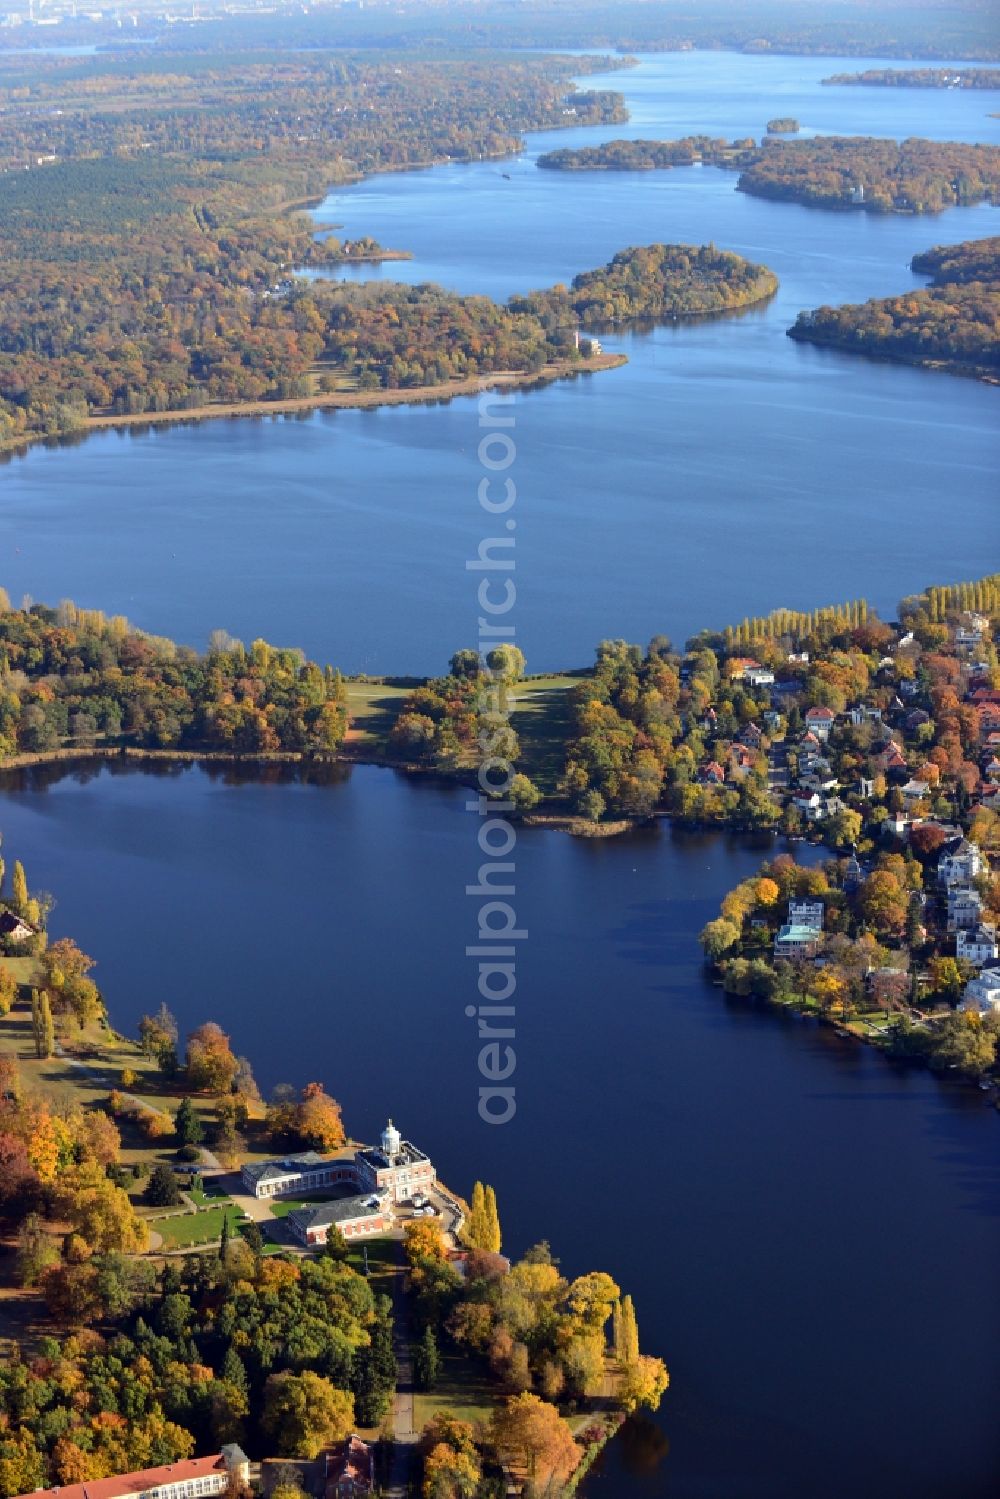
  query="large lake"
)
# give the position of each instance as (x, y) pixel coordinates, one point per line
(725, 470)
(811, 1236)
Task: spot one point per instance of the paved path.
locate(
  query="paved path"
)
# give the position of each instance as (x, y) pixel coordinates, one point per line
(404, 1435)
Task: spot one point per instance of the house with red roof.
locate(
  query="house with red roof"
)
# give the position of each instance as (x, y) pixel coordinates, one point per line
(819, 721)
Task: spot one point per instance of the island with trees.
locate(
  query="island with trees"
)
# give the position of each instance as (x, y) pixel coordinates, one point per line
(874, 176)
(146, 1317)
(654, 283)
(976, 78)
(783, 125)
(950, 325)
(648, 156)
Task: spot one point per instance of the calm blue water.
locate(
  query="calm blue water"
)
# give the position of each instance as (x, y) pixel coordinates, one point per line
(809, 1234)
(725, 470)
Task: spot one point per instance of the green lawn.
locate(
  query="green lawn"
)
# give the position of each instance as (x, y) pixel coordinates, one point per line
(204, 1227)
(285, 1205)
(541, 718)
(204, 1198)
(373, 708)
(465, 1389)
(382, 1256)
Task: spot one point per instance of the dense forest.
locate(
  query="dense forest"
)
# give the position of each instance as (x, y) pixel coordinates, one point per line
(146, 267)
(647, 156)
(954, 324)
(238, 345)
(74, 678)
(920, 78)
(974, 260)
(876, 176)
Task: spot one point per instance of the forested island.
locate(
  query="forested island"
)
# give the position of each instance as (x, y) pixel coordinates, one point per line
(919, 78)
(647, 156)
(874, 176)
(833, 172)
(784, 125)
(950, 325)
(654, 283)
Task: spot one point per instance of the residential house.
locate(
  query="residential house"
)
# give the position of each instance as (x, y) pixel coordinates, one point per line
(819, 721)
(711, 774)
(897, 825)
(890, 757)
(916, 791)
(740, 762)
(772, 719)
(977, 944)
(13, 929)
(982, 993)
(350, 1470)
(740, 665)
(965, 909)
(959, 862)
(758, 676)
(751, 736)
(806, 913)
(971, 631)
(797, 941)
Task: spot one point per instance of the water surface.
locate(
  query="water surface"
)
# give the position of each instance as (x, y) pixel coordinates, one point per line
(724, 471)
(809, 1234)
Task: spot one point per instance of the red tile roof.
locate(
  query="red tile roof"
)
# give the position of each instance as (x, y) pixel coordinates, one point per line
(138, 1483)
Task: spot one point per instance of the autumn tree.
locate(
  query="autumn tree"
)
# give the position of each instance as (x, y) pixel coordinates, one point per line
(304, 1412)
(19, 889)
(320, 1124)
(534, 1434)
(211, 1066)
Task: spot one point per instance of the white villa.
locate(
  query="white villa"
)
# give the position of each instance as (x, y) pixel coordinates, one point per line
(977, 944)
(801, 934)
(965, 909)
(959, 862)
(982, 993)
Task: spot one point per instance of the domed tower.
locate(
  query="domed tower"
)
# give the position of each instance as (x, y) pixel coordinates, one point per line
(390, 1140)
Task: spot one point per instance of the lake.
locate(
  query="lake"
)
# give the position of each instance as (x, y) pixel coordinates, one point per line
(810, 1234)
(726, 470)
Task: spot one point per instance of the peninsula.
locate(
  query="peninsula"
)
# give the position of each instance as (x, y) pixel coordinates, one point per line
(950, 325)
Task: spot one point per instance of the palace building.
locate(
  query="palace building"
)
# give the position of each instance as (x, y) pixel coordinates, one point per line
(377, 1177)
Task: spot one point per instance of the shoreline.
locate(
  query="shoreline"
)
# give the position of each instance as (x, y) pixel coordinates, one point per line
(345, 400)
